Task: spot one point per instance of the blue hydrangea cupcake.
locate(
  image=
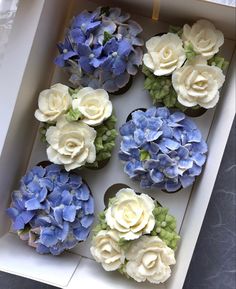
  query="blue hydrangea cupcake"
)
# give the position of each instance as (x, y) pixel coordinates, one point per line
(52, 210)
(101, 49)
(161, 149)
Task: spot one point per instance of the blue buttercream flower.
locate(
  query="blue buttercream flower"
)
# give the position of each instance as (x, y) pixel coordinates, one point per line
(53, 209)
(100, 47)
(86, 21)
(162, 149)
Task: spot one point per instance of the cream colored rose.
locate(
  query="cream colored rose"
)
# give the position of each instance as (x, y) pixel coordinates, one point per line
(131, 214)
(165, 54)
(149, 258)
(71, 144)
(204, 37)
(94, 104)
(105, 250)
(53, 103)
(198, 83)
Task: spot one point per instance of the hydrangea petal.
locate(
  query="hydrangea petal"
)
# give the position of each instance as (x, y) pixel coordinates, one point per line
(33, 204)
(87, 221)
(171, 172)
(186, 181)
(81, 233)
(172, 186)
(69, 213)
(199, 159)
(156, 176)
(127, 128)
(48, 237)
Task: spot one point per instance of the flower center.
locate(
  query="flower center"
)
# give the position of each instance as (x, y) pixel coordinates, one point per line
(54, 102)
(83, 27)
(114, 54)
(91, 56)
(149, 260)
(65, 50)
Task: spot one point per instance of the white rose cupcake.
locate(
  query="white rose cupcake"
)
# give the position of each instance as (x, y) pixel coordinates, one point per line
(94, 104)
(198, 83)
(137, 237)
(183, 69)
(164, 54)
(204, 37)
(53, 103)
(78, 126)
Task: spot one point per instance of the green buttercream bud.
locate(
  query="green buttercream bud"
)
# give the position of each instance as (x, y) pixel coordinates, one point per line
(163, 224)
(73, 115)
(158, 230)
(219, 61)
(165, 227)
(104, 138)
(98, 144)
(189, 51)
(144, 155)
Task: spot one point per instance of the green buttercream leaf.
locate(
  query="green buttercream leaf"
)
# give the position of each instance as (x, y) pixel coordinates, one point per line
(165, 227)
(144, 155)
(102, 224)
(189, 51)
(73, 115)
(73, 92)
(105, 10)
(176, 29)
(107, 37)
(124, 243)
(161, 90)
(219, 61)
(42, 131)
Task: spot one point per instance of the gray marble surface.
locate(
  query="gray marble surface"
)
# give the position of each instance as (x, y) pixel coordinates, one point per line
(213, 264)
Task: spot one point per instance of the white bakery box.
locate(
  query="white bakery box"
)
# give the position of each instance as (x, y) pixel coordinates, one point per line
(28, 68)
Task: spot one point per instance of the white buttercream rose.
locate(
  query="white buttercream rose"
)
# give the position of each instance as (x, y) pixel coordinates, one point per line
(53, 103)
(131, 214)
(71, 144)
(149, 258)
(204, 37)
(94, 104)
(165, 54)
(105, 250)
(197, 83)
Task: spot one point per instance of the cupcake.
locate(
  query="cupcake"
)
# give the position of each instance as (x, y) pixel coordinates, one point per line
(101, 49)
(78, 126)
(161, 149)
(183, 68)
(136, 237)
(52, 210)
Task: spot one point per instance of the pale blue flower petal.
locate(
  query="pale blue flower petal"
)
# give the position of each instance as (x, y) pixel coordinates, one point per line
(69, 213)
(186, 181)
